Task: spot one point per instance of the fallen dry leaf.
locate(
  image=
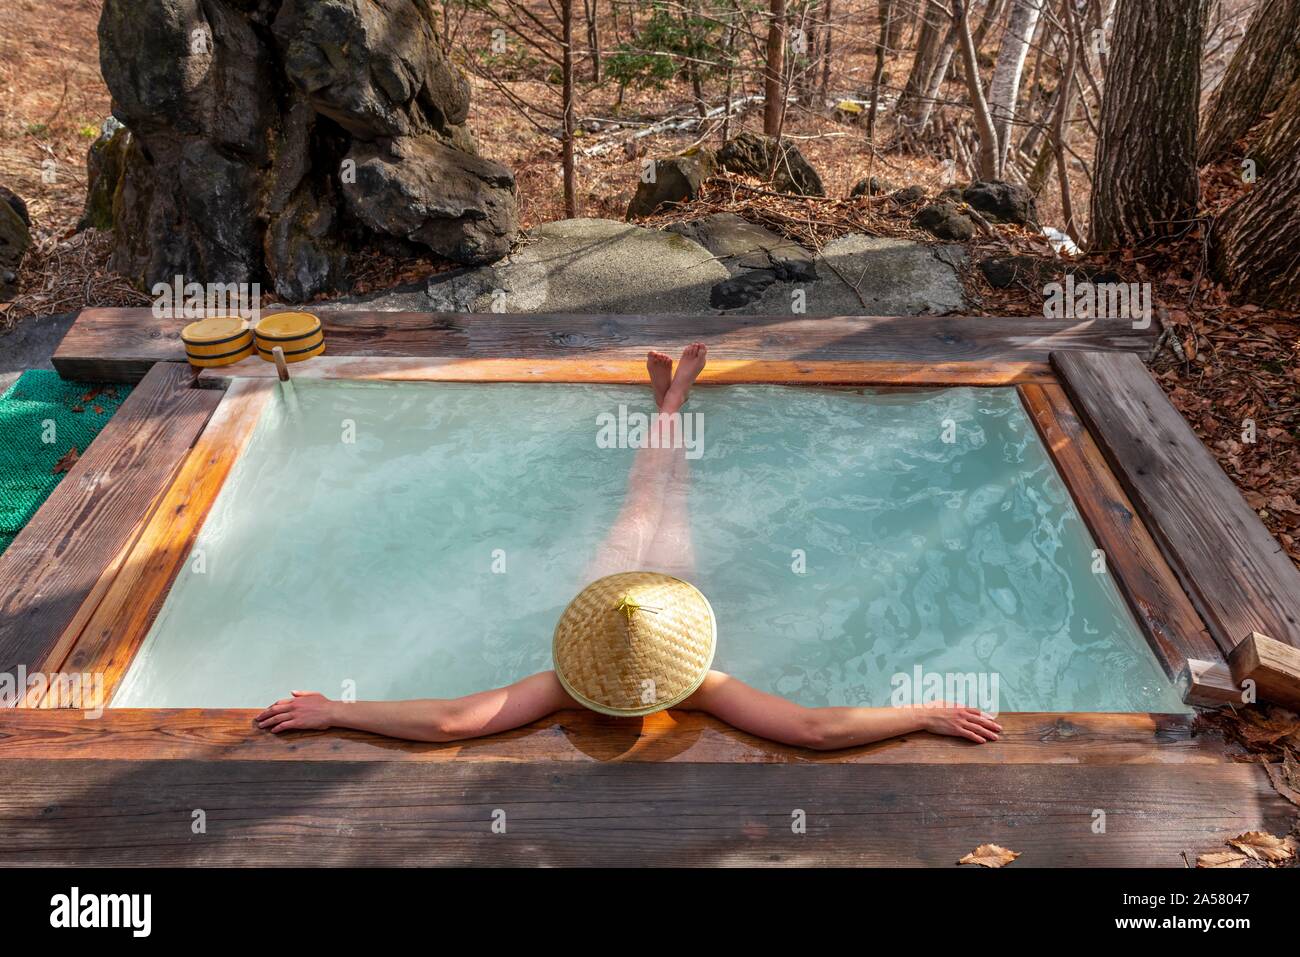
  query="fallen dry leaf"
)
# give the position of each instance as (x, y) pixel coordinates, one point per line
(1223, 859)
(1265, 847)
(990, 855)
(67, 462)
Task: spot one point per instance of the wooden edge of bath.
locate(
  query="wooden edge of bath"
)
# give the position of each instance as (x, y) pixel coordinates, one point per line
(583, 736)
(120, 621)
(54, 567)
(1238, 576)
(120, 344)
(1172, 626)
(633, 372)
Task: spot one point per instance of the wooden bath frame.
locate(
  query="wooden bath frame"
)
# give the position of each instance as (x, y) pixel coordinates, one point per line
(81, 584)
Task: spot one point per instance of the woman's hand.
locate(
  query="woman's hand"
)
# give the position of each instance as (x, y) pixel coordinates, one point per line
(943, 717)
(305, 711)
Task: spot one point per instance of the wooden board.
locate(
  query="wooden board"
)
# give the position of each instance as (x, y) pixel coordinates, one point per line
(1162, 609)
(584, 736)
(320, 813)
(121, 620)
(56, 563)
(1272, 666)
(120, 344)
(633, 371)
(1237, 574)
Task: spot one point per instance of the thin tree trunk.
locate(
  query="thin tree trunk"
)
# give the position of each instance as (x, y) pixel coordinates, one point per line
(1262, 69)
(570, 121)
(1146, 175)
(773, 68)
(919, 112)
(1004, 88)
(593, 37)
(826, 48)
(988, 150)
(886, 28)
(1253, 244)
(1072, 41)
(933, 25)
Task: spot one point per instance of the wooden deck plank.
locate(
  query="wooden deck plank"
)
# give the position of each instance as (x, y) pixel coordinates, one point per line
(1237, 574)
(57, 560)
(1162, 608)
(584, 737)
(120, 344)
(633, 371)
(119, 623)
(317, 813)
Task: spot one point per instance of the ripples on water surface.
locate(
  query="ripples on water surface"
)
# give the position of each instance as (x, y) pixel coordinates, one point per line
(326, 562)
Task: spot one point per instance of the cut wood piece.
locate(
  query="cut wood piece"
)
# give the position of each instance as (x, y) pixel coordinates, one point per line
(1273, 666)
(121, 620)
(633, 371)
(55, 565)
(1236, 573)
(586, 737)
(1172, 626)
(121, 344)
(1209, 684)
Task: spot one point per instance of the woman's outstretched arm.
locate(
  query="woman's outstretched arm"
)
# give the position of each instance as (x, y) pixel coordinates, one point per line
(825, 729)
(433, 719)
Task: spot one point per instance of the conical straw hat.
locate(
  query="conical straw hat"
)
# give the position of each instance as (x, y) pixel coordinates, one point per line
(635, 643)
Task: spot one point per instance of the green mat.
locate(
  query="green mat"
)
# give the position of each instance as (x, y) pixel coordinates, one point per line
(39, 424)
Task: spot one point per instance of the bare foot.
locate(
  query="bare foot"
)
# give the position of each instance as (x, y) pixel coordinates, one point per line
(689, 366)
(660, 367)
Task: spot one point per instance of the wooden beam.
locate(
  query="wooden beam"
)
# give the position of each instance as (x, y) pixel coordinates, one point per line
(1236, 573)
(1273, 666)
(121, 344)
(1174, 630)
(1209, 684)
(56, 563)
(120, 621)
(586, 737)
(334, 813)
(633, 371)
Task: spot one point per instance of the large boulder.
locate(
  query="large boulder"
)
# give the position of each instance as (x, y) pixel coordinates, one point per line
(420, 189)
(675, 179)
(750, 154)
(270, 140)
(15, 238)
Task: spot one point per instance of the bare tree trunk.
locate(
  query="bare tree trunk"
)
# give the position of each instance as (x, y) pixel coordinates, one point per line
(992, 14)
(1004, 88)
(988, 151)
(774, 68)
(1072, 40)
(886, 30)
(933, 24)
(1146, 175)
(827, 8)
(570, 121)
(1253, 244)
(1265, 64)
(593, 37)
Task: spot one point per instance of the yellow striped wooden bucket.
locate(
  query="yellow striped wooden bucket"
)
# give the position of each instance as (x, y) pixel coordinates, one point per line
(299, 334)
(218, 341)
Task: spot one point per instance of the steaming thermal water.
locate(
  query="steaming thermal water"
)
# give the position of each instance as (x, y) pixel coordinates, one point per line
(374, 565)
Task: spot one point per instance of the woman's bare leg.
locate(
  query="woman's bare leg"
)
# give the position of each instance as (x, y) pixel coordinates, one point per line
(672, 551)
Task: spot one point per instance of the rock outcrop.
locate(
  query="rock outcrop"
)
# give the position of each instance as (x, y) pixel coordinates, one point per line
(716, 265)
(270, 139)
(15, 237)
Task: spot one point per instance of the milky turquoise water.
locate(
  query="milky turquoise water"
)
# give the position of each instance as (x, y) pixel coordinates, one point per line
(421, 539)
